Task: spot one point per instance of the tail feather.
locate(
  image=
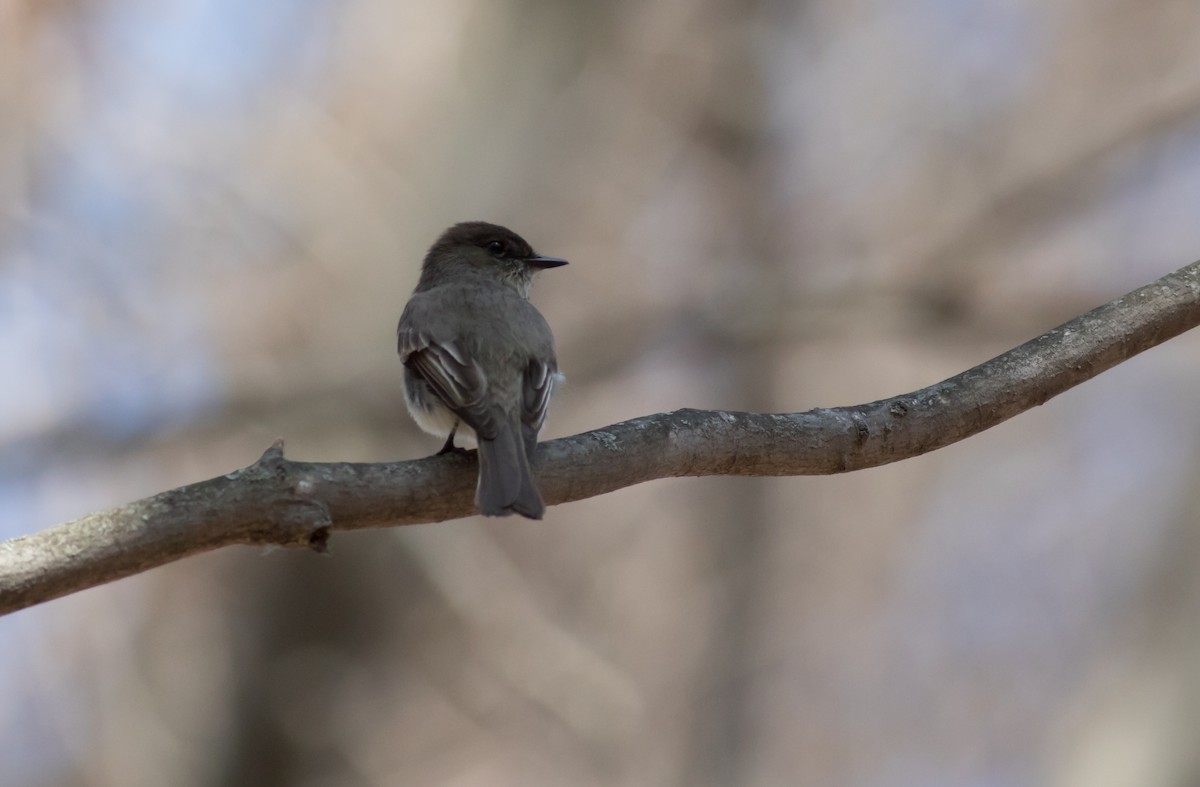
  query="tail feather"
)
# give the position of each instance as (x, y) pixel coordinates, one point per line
(505, 481)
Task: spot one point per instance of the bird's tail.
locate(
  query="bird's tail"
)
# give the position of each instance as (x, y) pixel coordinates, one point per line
(505, 481)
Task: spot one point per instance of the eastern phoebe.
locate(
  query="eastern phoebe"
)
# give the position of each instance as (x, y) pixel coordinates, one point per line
(478, 358)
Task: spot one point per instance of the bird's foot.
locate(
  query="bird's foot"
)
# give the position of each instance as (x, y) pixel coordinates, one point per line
(450, 447)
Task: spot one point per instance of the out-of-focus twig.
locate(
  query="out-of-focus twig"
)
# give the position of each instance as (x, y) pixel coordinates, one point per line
(278, 501)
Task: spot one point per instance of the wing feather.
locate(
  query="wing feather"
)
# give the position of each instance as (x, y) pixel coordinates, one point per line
(453, 376)
(538, 386)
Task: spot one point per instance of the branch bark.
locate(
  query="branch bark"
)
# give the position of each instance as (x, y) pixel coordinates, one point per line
(278, 501)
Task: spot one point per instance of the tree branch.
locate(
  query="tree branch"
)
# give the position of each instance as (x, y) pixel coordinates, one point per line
(278, 501)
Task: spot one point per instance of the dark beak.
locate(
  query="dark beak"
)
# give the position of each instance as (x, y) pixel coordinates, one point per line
(545, 262)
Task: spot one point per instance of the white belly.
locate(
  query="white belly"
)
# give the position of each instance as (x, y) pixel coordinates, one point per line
(434, 418)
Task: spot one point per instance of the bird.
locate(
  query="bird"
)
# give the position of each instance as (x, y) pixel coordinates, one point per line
(479, 359)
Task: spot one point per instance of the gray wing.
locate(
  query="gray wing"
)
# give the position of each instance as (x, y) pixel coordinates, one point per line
(537, 386)
(450, 373)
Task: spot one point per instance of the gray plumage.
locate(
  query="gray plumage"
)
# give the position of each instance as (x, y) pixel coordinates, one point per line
(479, 358)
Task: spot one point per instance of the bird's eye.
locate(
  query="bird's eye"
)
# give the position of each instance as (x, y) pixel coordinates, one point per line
(496, 247)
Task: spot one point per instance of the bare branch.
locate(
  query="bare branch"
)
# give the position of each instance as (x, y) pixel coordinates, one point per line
(278, 501)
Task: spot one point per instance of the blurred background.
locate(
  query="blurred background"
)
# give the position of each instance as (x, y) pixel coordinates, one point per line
(212, 212)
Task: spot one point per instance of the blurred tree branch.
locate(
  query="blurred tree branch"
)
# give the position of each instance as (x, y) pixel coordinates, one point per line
(278, 501)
